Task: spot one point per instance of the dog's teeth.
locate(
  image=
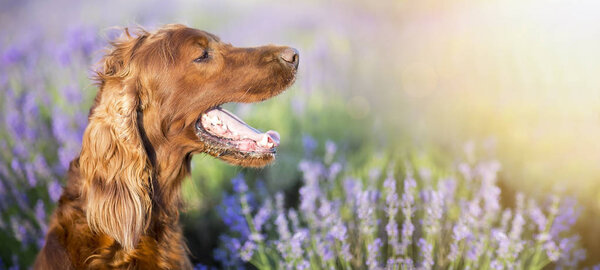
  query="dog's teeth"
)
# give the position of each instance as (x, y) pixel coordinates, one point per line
(264, 141)
(213, 119)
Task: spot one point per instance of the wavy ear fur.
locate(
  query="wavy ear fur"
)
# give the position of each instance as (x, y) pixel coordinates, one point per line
(113, 161)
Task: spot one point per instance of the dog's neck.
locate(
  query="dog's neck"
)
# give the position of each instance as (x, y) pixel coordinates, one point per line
(168, 174)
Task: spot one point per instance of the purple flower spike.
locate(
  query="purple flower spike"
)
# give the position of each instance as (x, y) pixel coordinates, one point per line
(239, 184)
(310, 144)
(262, 215)
(406, 205)
(568, 213)
(392, 205)
(54, 190)
(426, 250)
(247, 250)
(366, 212)
(12, 55)
(434, 204)
(341, 223)
(330, 150)
(373, 254)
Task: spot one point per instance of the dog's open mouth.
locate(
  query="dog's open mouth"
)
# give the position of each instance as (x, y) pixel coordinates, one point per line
(224, 133)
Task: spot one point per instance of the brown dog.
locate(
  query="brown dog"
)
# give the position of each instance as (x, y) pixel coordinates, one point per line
(158, 105)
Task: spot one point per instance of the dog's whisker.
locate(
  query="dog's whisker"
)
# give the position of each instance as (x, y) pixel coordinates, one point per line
(246, 92)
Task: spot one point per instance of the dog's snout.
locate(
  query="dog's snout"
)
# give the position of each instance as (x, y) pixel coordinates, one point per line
(291, 56)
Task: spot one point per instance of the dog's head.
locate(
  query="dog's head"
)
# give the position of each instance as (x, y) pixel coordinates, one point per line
(183, 76)
(163, 90)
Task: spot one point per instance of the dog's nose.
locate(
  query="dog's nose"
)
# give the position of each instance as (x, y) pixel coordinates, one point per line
(290, 55)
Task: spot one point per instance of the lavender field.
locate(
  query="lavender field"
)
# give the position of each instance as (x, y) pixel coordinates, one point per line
(419, 135)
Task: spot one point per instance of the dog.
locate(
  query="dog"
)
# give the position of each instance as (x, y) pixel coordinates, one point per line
(159, 103)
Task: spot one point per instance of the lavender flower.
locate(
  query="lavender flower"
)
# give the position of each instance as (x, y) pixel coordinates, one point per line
(366, 212)
(535, 213)
(290, 247)
(448, 189)
(72, 94)
(297, 242)
(552, 251)
(433, 200)
(334, 170)
(497, 265)
(229, 255)
(426, 254)
(406, 205)
(247, 250)
(309, 144)
(19, 230)
(311, 190)
(475, 249)
(54, 190)
(282, 228)
(466, 171)
(262, 215)
(506, 216)
(330, 149)
(240, 187)
(40, 212)
(231, 213)
(324, 248)
(352, 188)
(344, 227)
(392, 204)
(293, 217)
(284, 234)
(516, 244)
(30, 174)
(488, 191)
(503, 244)
(12, 55)
(460, 231)
(566, 218)
(201, 267)
(570, 254)
(372, 254)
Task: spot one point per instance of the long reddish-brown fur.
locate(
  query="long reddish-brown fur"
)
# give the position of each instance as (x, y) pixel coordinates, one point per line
(119, 209)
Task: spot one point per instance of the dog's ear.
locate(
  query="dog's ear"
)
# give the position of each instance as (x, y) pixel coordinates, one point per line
(114, 164)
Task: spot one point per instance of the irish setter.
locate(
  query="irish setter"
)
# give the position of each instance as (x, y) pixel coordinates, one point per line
(158, 104)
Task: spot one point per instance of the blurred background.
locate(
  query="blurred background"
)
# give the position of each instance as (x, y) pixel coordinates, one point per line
(384, 77)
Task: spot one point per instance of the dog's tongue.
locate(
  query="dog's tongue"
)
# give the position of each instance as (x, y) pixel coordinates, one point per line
(225, 124)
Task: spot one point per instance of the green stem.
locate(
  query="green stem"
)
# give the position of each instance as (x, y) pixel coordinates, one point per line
(261, 248)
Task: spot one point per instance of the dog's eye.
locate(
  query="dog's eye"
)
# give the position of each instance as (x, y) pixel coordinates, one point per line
(202, 58)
